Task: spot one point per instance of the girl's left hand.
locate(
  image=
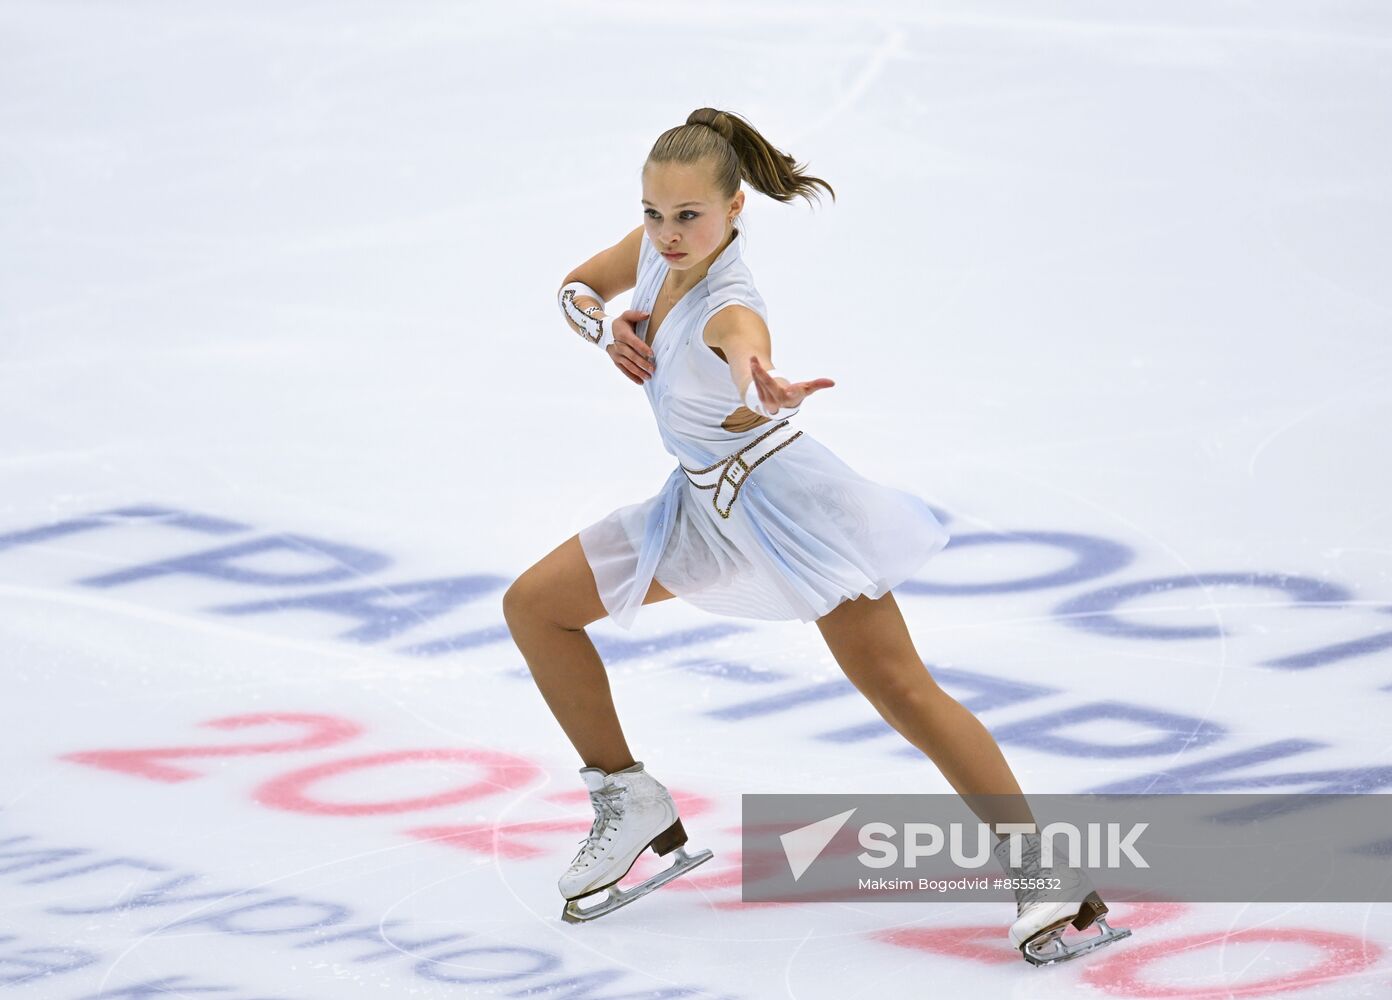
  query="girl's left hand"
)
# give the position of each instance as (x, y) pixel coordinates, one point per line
(775, 396)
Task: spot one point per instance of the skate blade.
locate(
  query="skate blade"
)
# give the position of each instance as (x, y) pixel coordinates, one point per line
(573, 914)
(1049, 948)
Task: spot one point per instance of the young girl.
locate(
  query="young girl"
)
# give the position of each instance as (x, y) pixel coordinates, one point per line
(758, 520)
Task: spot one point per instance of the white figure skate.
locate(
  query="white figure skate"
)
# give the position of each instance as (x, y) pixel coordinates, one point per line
(1044, 913)
(633, 811)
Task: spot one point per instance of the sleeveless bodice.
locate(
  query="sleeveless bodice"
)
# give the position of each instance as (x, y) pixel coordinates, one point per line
(692, 392)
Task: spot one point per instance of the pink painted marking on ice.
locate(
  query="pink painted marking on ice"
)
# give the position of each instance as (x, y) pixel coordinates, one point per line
(1344, 955)
(321, 731)
(502, 772)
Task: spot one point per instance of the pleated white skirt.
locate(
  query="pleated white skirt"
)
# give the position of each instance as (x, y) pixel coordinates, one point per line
(805, 533)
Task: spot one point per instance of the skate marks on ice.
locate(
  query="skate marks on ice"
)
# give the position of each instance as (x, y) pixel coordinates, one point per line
(445, 621)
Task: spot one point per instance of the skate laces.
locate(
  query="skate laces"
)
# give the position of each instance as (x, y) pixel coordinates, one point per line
(1031, 868)
(609, 807)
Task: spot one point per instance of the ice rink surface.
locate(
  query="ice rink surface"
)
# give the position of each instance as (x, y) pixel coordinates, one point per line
(287, 403)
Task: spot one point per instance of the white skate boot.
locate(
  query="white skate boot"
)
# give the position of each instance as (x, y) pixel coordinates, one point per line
(633, 812)
(1043, 913)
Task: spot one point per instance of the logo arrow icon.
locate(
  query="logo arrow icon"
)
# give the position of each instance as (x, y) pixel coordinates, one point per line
(803, 845)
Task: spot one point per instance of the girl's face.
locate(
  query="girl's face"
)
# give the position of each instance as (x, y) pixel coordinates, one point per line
(683, 214)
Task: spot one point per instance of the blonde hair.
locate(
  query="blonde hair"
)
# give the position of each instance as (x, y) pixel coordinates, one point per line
(737, 151)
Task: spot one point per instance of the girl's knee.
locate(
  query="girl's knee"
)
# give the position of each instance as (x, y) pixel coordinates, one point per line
(538, 598)
(520, 600)
(912, 695)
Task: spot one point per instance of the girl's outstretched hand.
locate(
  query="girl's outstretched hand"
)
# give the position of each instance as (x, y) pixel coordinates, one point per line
(775, 396)
(630, 354)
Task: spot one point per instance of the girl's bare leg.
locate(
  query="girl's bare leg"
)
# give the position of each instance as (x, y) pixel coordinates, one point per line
(872, 645)
(547, 609)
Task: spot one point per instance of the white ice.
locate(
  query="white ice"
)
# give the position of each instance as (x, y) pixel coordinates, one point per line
(282, 277)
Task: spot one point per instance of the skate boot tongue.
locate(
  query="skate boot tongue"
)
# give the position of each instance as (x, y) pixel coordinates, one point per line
(595, 777)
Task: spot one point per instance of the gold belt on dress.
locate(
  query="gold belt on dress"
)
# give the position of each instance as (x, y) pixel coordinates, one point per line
(732, 470)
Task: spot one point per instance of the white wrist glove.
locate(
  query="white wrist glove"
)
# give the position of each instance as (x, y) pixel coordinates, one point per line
(596, 329)
(752, 400)
(606, 331)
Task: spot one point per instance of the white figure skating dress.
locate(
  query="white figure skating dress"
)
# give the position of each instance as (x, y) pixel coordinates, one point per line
(759, 521)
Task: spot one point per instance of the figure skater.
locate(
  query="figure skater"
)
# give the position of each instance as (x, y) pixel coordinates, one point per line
(758, 520)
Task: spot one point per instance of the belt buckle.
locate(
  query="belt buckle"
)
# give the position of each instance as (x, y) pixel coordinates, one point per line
(734, 470)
